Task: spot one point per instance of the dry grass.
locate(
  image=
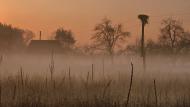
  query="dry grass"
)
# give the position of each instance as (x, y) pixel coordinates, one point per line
(78, 85)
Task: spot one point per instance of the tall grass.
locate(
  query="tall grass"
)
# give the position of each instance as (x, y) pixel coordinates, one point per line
(90, 89)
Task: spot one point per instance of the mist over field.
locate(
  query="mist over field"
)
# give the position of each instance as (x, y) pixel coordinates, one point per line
(74, 82)
(94, 53)
(39, 64)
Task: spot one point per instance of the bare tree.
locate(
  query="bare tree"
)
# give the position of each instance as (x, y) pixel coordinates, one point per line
(172, 35)
(107, 36)
(184, 45)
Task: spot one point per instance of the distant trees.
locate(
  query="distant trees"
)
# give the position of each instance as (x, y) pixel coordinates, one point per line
(87, 50)
(107, 36)
(13, 39)
(65, 37)
(173, 36)
(27, 36)
(173, 39)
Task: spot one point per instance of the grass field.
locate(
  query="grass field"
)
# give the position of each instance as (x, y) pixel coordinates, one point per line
(72, 81)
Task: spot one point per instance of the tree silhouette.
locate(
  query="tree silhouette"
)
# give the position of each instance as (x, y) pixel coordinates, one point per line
(107, 36)
(27, 36)
(173, 36)
(152, 47)
(65, 37)
(144, 20)
(12, 39)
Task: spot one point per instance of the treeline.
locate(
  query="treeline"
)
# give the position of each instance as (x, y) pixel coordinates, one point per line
(108, 38)
(173, 39)
(14, 39)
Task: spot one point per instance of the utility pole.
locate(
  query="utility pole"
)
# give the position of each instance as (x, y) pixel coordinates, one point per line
(144, 20)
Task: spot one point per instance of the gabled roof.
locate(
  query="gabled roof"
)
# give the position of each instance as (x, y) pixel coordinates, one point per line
(44, 46)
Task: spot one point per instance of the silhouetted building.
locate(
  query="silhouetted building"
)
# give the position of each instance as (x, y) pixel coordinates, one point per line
(44, 46)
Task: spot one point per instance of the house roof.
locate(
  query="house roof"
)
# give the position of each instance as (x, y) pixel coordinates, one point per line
(44, 46)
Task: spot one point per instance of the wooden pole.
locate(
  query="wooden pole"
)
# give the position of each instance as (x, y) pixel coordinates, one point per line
(143, 48)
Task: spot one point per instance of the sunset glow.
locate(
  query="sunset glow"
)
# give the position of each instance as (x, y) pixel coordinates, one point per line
(94, 53)
(82, 15)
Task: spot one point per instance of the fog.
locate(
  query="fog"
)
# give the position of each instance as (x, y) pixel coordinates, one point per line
(94, 81)
(38, 65)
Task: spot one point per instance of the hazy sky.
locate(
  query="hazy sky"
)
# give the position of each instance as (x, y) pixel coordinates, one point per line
(82, 15)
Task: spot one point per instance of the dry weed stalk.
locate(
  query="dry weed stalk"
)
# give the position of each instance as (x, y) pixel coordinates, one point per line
(103, 67)
(92, 72)
(86, 85)
(130, 86)
(0, 94)
(21, 77)
(14, 92)
(52, 66)
(155, 93)
(106, 88)
(1, 60)
(70, 80)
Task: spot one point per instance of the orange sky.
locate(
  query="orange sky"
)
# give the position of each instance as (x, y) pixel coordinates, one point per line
(82, 15)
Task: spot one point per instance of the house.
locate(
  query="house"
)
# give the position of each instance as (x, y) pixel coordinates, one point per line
(44, 46)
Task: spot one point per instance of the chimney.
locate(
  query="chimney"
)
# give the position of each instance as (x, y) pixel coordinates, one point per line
(40, 35)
